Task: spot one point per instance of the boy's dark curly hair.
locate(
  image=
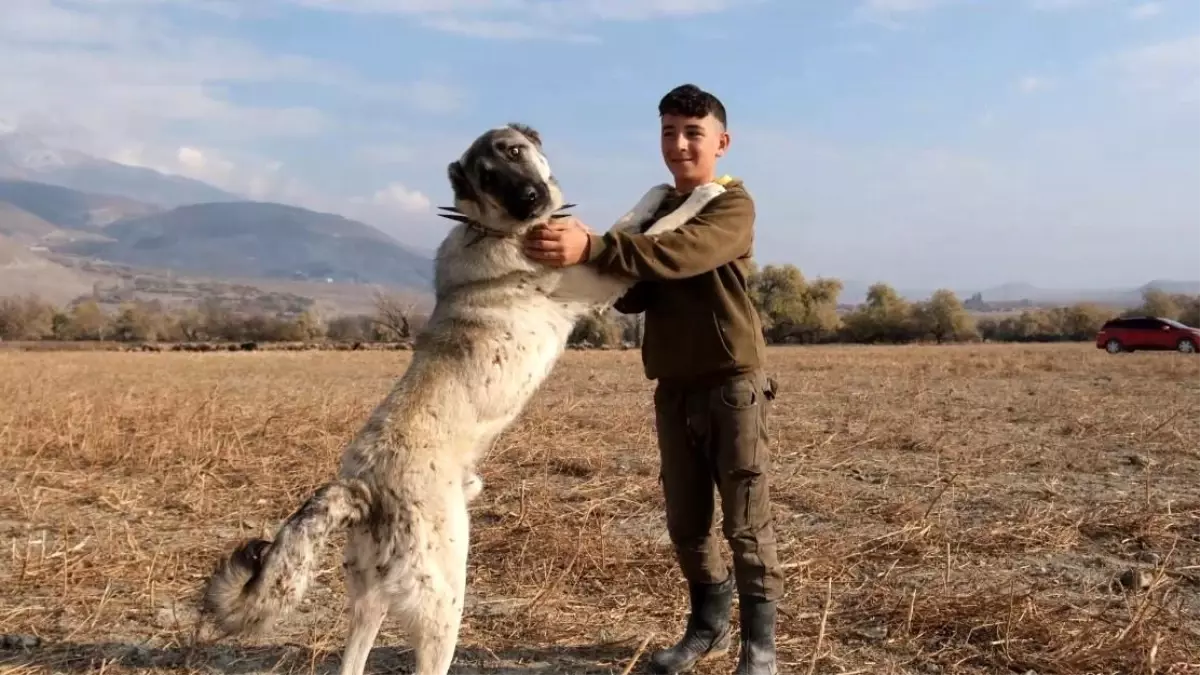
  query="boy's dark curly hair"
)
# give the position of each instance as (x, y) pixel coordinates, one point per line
(688, 100)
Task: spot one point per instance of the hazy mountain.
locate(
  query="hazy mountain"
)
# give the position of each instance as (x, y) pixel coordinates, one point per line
(1174, 286)
(21, 225)
(1014, 292)
(260, 240)
(855, 292)
(67, 208)
(26, 157)
(24, 271)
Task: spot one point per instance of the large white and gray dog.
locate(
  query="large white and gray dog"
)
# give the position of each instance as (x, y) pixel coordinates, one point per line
(499, 324)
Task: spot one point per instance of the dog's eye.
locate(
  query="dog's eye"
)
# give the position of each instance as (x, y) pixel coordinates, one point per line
(515, 151)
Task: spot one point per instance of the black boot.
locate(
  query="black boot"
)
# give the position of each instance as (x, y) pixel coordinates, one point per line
(758, 637)
(707, 631)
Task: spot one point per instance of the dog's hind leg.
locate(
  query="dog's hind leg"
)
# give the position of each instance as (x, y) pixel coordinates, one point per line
(441, 595)
(366, 616)
(436, 638)
(368, 606)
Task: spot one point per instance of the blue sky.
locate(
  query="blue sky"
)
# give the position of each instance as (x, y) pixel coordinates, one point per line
(927, 143)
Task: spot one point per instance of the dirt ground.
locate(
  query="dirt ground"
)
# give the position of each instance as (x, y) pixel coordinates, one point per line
(967, 509)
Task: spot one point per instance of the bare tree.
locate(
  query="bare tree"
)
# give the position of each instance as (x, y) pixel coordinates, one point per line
(394, 315)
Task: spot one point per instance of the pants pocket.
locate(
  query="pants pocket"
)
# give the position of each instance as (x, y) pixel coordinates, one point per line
(739, 393)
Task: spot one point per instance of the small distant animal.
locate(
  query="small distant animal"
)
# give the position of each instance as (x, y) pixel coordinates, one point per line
(499, 323)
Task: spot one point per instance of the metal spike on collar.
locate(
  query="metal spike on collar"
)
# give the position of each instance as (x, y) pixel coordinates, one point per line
(452, 209)
(560, 213)
(459, 218)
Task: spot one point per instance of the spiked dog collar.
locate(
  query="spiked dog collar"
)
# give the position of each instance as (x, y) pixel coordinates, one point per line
(483, 231)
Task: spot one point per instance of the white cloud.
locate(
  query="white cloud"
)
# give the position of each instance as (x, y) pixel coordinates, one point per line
(900, 6)
(1037, 206)
(1063, 5)
(1031, 84)
(134, 65)
(504, 30)
(432, 96)
(889, 12)
(525, 19)
(388, 153)
(116, 79)
(401, 211)
(1171, 67)
(395, 197)
(578, 10)
(1145, 10)
(253, 177)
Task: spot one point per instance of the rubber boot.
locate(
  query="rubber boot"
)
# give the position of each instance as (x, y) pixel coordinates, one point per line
(707, 633)
(757, 655)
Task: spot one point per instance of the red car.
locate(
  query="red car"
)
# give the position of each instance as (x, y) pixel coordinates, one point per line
(1132, 333)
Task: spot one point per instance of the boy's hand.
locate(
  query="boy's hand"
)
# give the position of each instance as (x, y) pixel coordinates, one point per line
(560, 243)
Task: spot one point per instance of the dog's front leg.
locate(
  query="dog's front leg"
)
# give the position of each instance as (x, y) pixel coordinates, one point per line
(690, 208)
(582, 283)
(643, 210)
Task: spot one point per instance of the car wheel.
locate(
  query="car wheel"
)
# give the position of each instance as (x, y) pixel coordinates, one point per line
(1113, 347)
(1186, 346)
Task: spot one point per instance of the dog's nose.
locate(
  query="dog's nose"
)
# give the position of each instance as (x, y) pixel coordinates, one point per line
(529, 194)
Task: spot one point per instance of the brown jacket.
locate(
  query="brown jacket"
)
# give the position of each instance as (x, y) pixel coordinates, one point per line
(692, 284)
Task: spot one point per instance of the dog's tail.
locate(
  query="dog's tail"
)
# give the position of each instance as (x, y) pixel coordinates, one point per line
(262, 580)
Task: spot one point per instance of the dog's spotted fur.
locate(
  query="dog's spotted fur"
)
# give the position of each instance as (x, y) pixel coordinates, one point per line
(499, 324)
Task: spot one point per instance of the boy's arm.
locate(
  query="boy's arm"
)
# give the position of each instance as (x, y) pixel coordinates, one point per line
(720, 233)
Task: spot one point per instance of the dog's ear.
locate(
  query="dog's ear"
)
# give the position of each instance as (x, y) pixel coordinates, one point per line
(528, 132)
(458, 181)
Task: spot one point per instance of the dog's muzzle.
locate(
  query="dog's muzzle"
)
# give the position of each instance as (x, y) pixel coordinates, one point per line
(527, 200)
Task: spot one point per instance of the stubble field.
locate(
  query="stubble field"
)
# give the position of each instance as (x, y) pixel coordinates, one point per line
(968, 509)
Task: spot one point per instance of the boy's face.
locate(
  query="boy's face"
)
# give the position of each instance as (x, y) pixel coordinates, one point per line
(691, 146)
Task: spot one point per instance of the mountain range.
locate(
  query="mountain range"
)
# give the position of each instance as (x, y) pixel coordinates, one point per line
(71, 222)
(28, 158)
(855, 292)
(67, 220)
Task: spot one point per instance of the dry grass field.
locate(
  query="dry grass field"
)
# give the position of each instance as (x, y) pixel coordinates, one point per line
(969, 509)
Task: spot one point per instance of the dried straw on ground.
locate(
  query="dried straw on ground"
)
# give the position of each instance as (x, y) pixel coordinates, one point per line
(964, 509)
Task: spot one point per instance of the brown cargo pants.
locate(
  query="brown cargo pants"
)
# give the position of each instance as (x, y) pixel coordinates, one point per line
(710, 436)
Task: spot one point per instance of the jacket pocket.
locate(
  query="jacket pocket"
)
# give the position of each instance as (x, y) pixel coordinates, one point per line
(722, 328)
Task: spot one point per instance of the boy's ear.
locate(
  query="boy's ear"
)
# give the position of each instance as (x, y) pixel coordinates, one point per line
(723, 143)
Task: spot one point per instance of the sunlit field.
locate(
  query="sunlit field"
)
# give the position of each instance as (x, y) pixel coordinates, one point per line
(966, 509)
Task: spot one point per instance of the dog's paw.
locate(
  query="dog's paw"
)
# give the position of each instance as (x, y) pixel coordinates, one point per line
(251, 553)
(709, 190)
(472, 486)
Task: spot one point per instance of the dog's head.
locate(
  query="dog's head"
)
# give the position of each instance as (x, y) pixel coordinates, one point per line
(503, 180)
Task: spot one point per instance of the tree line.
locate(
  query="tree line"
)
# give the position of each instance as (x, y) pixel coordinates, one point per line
(29, 318)
(794, 310)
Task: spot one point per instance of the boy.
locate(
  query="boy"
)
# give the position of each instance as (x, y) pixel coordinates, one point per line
(703, 344)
